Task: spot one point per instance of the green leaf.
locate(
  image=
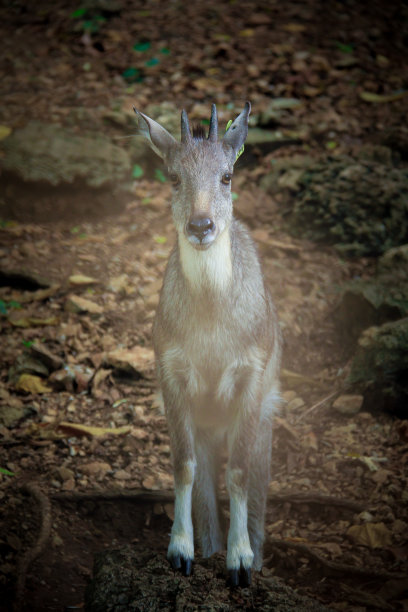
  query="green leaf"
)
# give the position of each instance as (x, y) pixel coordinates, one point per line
(74, 230)
(90, 25)
(137, 171)
(132, 75)
(7, 472)
(331, 144)
(160, 239)
(141, 47)
(344, 48)
(159, 176)
(78, 13)
(234, 196)
(146, 201)
(14, 304)
(165, 51)
(3, 307)
(152, 62)
(28, 343)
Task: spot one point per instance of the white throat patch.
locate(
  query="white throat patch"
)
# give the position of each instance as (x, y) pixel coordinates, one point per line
(209, 269)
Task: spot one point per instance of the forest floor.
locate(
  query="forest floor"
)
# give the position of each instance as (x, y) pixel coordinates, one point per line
(81, 292)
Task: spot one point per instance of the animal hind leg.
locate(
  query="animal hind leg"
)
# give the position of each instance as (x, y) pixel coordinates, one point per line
(258, 488)
(205, 502)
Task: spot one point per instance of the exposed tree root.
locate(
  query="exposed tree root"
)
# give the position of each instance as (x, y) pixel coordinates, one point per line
(145, 496)
(331, 568)
(27, 559)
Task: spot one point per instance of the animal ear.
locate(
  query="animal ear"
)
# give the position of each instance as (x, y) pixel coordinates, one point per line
(158, 138)
(235, 136)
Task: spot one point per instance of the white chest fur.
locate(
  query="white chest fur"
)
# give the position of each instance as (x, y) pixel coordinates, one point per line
(207, 269)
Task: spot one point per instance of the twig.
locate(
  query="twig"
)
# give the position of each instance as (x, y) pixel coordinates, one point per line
(331, 567)
(145, 496)
(31, 554)
(316, 405)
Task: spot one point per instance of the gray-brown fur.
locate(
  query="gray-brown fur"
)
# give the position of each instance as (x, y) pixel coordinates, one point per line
(217, 347)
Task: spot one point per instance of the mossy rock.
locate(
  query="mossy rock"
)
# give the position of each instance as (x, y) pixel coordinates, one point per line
(365, 303)
(380, 366)
(52, 154)
(360, 206)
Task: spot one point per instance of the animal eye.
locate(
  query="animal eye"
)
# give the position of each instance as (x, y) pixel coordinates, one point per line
(174, 179)
(226, 178)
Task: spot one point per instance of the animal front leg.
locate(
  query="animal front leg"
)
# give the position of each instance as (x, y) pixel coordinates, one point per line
(181, 548)
(240, 441)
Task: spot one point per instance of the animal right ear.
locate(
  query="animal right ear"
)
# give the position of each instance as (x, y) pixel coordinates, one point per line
(235, 136)
(158, 138)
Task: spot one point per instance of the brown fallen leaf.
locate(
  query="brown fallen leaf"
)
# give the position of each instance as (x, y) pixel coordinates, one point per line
(31, 384)
(138, 359)
(39, 295)
(32, 321)
(368, 96)
(82, 279)
(373, 535)
(78, 304)
(76, 429)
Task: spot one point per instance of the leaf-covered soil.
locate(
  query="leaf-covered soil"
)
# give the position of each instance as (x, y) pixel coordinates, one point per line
(78, 296)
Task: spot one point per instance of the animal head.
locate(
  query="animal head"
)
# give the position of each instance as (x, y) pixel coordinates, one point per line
(200, 170)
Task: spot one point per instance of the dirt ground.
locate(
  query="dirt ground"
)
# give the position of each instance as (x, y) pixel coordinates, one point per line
(80, 292)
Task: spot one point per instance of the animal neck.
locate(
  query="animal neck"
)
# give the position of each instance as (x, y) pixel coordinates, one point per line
(209, 270)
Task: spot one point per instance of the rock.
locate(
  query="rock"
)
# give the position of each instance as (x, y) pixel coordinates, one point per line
(78, 304)
(364, 303)
(50, 153)
(348, 404)
(360, 206)
(135, 578)
(285, 172)
(380, 366)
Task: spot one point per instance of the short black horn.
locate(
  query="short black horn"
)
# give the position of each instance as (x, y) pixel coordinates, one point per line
(213, 131)
(185, 128)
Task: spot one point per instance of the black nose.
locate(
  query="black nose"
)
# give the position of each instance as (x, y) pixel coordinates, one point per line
(200, 227)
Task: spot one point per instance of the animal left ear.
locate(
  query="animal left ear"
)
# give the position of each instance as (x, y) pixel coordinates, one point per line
(158, 138)
(237, 132)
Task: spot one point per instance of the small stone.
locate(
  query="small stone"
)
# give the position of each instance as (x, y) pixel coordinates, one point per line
(288, 396)
(295, 404)
(348, 404)
(122, 475)
(96, 468)
(68, 485)
(10, 416)
(139, 433)
(64, 473)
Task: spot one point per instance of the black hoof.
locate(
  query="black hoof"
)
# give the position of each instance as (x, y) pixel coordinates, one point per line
(239, 578)
(178, 562)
